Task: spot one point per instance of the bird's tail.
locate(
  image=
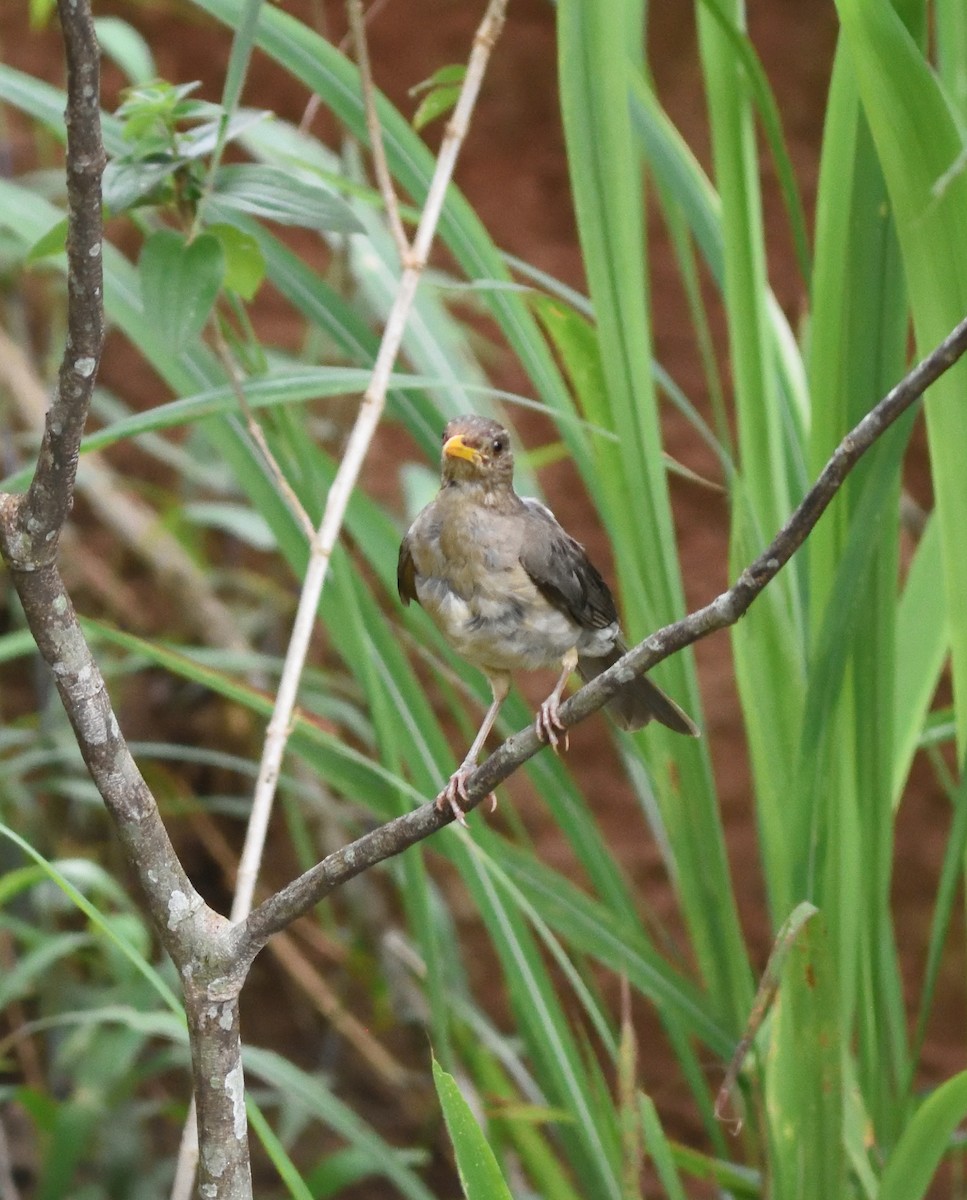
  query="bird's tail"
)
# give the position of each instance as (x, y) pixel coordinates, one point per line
(639, 701)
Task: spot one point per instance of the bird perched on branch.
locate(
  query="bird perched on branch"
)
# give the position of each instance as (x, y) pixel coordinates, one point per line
(510, 590)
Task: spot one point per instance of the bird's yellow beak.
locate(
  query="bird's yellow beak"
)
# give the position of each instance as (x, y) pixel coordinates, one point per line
(456, 447)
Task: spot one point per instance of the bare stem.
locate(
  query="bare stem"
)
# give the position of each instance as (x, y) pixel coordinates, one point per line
(255, 430)
(357, 26)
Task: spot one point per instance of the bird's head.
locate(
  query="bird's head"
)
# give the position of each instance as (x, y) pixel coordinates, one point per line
(477, 451)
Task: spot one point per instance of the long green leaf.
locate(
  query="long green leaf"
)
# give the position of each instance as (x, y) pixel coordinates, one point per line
(596, 67)
(925, 1141)
(479, 1172)
(804, 1088)
(918, 142)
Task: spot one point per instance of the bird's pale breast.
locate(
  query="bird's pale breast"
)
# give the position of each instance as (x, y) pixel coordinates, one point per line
(470, 581)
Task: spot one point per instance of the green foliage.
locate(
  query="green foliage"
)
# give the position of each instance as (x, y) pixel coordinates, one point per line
(179, 283)
(836, 666)
(441, 92)
(479, 1173)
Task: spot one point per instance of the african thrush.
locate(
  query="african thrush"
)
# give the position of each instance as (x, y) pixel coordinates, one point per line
(510, 590)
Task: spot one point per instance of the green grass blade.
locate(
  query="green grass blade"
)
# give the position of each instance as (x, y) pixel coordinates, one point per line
(480, 1175)
(804, 1086)
(745, 56)
(591, 1139)
(918, 142)
(857, 350)
(107, 928)
(596, 70)
(950, 877)
(317, 1100)
(283, 1164)
(922, 645)
(925, 1141)
(768, 644)
(658, 1149)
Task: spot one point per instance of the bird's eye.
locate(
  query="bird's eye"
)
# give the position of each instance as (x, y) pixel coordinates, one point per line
(498, 445)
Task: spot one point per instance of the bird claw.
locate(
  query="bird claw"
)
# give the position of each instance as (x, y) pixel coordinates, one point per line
(455, 791)
(549, 726)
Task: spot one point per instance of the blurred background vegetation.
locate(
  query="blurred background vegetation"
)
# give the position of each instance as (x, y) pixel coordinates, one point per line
(682, 261)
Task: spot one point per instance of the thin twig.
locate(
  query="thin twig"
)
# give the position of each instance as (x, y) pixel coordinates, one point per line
(357, 26)
(315, 101)
(726, 609)
(764, 996)
(186, 1167)
(256, 432)
(8, 1186)
(370, 412)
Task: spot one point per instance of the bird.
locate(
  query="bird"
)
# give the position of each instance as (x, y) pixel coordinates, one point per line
(509, 589)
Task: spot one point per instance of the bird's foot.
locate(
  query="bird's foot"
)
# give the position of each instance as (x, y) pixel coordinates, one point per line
(456, 790)
(549, 725)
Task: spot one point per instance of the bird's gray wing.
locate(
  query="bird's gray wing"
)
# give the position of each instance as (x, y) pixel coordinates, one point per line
(561, 570)
(406, 573)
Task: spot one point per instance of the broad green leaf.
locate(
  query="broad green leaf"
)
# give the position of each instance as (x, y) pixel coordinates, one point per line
(19, 644)
(453, 73)
(19, 981)
(434, 104)
(179, 284)
(41, 12)
(244, 263)
(127, 184)
(53, 242)
(341, 1170)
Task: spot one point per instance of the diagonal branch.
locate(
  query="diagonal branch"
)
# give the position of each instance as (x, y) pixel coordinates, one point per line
(726, 609)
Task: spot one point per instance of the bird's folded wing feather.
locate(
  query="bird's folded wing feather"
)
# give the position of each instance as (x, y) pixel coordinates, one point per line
(406, 573)
(562, 572)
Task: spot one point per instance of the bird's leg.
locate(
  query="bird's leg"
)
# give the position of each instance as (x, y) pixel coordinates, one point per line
(456, 789)
(548, 723)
